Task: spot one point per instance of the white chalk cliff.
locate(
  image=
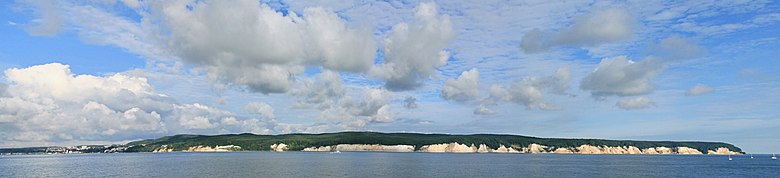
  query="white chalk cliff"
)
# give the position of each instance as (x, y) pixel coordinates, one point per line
(456, 147)
(201, 148)
(722, 151)
(364, 147)
(279, 147)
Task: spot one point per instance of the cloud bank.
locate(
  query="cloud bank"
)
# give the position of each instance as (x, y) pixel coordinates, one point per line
(47, 103)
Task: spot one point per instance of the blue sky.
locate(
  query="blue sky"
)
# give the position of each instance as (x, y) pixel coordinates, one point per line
(114, 71)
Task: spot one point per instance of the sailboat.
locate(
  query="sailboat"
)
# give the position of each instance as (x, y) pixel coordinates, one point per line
(774, 157)
(730, 157)
(751, 155)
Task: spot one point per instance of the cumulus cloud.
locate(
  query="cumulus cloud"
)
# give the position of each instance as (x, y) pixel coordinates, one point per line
(263, 55)
(698, 90)
(354, 114)
(410, 102)
(259, 108)
(413, 51)
(323, 91)
(635, 103)
(482, 110)
(3, 87)
(48, 104)
(676, 48)
(622, 77)
(528, 91)
(597, 27)
(523, 94)
(269, 49)
(464, 88)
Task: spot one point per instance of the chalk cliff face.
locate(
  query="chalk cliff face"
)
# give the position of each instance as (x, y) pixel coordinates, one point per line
(484, 149)
(633, 150)
(363, 147)
(504, 149)
(563, 151)
(535, 148)
(722, 151)
(322, 148)
(449, 148)
(201, 148)
(279, 147)
(164, 148)
(531, 148)
(687, 151)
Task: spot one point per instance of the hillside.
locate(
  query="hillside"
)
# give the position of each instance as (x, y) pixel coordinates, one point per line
(297, 142)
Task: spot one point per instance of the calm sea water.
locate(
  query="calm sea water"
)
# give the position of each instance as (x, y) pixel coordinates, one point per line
(361, 164)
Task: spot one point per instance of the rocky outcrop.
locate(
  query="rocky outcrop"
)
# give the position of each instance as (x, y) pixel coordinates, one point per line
(281, 147)
(722, 151)
(201, 148)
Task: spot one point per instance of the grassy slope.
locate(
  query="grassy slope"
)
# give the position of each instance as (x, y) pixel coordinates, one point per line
(252, 142)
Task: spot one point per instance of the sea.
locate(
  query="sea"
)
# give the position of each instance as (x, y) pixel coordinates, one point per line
(374, 164)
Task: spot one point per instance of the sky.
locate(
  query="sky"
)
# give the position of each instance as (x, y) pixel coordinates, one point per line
(105, 71)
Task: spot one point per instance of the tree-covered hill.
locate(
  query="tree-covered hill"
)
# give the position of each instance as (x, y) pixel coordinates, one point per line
(252, 142)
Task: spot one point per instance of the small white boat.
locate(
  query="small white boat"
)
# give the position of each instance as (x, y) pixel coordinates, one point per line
(730, 157)
(335, 152)
(751, 156)
(774, 157)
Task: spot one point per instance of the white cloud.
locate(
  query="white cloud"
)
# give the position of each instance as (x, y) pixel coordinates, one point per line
(49, 21)
(323, 91)
(482, 110)
(528, 92)
(410, 102)
(131, 3)
(48, 104)
(698, 90)
(635, 103)
(263, 55)
(622, 77)
(520, 93)
(558, 83)
(676, 48)
(354, 114)
(269, 50)
(464, 88)
(263, 109)
(599, 26)
(413, 51)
